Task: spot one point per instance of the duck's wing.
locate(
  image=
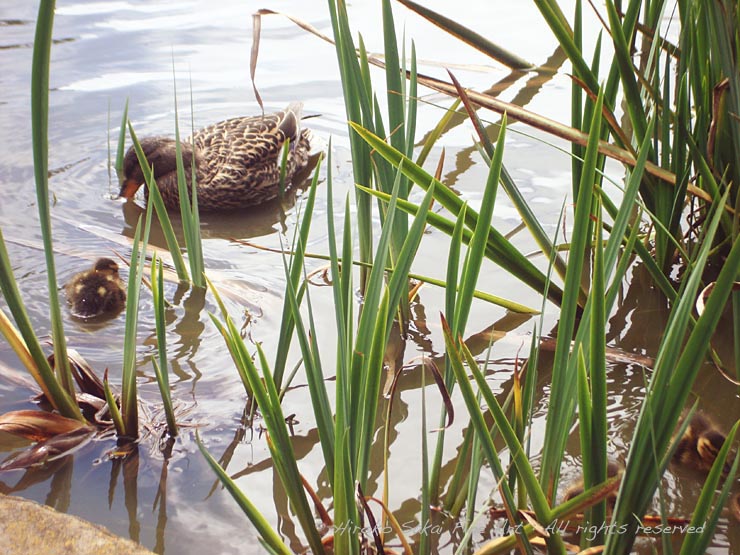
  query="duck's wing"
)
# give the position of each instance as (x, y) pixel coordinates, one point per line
(249, 141)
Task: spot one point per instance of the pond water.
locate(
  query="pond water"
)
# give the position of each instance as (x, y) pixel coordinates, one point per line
(107, 52)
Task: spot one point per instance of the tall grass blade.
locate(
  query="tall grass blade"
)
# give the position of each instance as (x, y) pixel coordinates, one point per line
(129, 397)
(594, 432)
(480, 425)
(268, 399)
(357, 104)
(161, 367)
(676, 368)
(38, 365)
(155, 198)
(121, 148)
(505, 254)
(40, 134)
(267, 533)
(562, 394)
(306, 340)
(189, 204)
(467, 35)
(294, 276)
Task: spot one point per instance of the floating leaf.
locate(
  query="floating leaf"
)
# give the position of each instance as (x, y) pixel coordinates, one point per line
(37, 425)
(54, 448)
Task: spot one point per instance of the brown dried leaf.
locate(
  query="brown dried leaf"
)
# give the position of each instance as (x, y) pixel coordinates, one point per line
(541, 530)
(37, 425)
(53, 448)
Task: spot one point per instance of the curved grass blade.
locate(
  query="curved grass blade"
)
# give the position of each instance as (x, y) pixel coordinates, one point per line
(270, 536)
(468, 36)
(155, 198)
(39, 131)
(268, 399)
(506, 254)
(705, 517)
(676, 368)
(120, 149)
(481, 427)
(160, 369)
(129, 397)
(563, 390)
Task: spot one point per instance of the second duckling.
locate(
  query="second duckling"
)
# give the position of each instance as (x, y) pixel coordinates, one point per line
(98, 292)
(700, 444)
(613, 469)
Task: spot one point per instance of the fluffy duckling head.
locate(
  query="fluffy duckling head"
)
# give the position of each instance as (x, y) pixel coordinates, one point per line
(96, 293)
(700, 444)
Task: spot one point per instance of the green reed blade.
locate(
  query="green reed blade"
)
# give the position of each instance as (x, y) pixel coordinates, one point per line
(155, 198)
(357, 102)
(505, 254)
(468, 36)
(38, 367)
(40, 134)
(312, 363)
(474, 257)
(161, 367)
(121, 148)
(670, 386)
(268, 399)
(129, 397)
(594, 433)
(295, 274)
(705, 518)
(188, 202)
(507, 182)
(562, 394)
(426, 513)
(115, 412)
(267, 533)
(477, 420)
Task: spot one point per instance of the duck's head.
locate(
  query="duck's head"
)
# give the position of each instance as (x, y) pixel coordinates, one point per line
(161, 153)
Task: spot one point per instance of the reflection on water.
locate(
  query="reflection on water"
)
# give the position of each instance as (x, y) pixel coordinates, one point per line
(165, 496)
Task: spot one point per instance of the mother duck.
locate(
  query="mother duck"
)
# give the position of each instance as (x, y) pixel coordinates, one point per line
(237, 161)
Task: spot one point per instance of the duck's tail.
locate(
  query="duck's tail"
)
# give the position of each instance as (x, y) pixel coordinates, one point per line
(291, 122)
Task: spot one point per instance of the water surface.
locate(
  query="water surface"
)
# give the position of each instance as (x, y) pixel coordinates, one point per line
(107, 52)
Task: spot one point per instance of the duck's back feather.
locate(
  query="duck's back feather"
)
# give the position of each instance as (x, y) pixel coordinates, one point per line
(239, 158)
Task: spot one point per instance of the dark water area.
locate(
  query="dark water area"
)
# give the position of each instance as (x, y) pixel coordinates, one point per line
(107, 52)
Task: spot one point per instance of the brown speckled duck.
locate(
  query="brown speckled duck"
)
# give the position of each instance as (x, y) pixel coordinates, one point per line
(700, 444)
(237, 161)
(96, 293)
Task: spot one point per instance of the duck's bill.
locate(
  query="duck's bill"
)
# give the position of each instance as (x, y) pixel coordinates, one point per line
(129, 188)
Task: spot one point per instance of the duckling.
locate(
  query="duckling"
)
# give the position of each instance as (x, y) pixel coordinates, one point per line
(735, 507)
(237, 161)
(700, 444)
(96, 292)
(613, 469)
